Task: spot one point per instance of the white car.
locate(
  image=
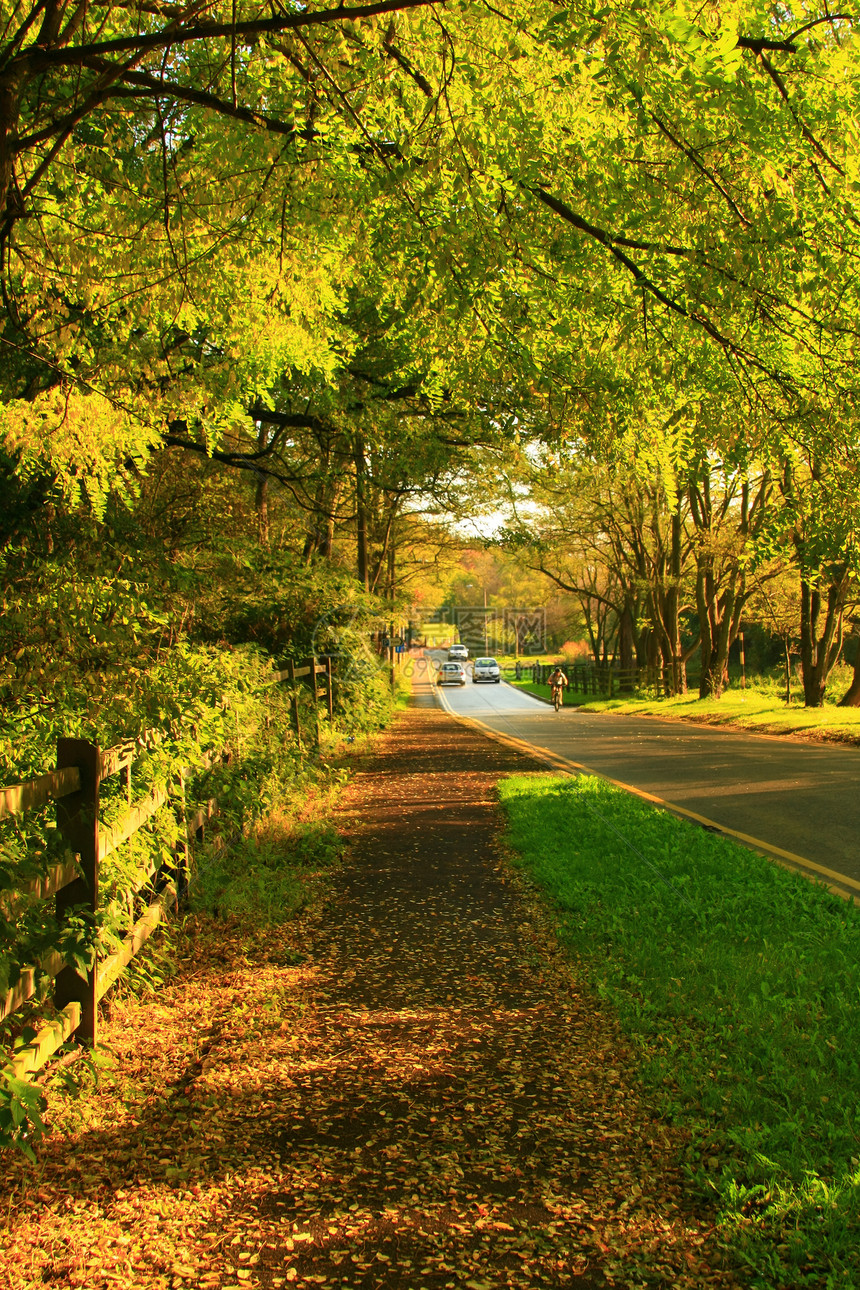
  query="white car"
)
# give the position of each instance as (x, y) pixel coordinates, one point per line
(452, 674)
(486, 669)
(458, 653)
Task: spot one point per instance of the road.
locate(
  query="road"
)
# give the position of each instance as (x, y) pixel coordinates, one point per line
(792, 797)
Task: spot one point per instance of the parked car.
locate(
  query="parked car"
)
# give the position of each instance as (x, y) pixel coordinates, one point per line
(458, 652)
(486, 669)
(452, 674)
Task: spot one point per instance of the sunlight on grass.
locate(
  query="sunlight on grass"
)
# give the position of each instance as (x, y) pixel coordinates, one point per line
(283, 864)
(752, 710)
(740, 982)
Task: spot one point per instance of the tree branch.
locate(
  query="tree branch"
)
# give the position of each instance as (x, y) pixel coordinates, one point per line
(692, 155)
(155, 87)
(788, 46)
(39, 59)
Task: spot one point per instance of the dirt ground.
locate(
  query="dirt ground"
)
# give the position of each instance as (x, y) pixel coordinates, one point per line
(428, 1099)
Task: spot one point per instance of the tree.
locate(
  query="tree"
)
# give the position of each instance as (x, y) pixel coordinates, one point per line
(727, 510)
(819, 491)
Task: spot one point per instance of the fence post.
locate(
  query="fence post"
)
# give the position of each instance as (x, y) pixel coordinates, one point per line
(329, 682)
(312, 663)
(291, 667)
(183, 854)
(78, 822)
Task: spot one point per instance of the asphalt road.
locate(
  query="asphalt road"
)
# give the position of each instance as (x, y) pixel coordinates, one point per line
(799, 798)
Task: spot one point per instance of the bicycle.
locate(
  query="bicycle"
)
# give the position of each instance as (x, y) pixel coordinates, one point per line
(557, 696)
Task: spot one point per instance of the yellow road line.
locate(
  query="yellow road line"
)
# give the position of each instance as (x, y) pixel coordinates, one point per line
(787, 859)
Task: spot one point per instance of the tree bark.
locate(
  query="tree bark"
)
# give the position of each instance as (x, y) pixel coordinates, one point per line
(667, 614)
(820, 640)
(721, 584)
(262, 492)
(626, 645)
(362, 565)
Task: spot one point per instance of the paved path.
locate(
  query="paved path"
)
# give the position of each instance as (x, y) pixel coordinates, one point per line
(802, 798)
(432, 1100)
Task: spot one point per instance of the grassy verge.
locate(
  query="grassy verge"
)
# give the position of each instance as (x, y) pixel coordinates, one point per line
(752, 710)
(740, 984)
(765, 713)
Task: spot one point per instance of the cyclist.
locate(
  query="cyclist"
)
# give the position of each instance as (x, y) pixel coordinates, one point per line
(557, 681)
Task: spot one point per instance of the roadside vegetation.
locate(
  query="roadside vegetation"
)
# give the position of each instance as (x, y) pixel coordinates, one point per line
(738, 983)
(114, 674)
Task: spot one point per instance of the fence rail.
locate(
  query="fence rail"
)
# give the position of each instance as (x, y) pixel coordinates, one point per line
(75, 786)
(19, 798)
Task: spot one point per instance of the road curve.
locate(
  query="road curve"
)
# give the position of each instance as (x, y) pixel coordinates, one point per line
(799, 799)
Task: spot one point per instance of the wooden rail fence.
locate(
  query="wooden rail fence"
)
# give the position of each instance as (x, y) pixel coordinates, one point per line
(75, 787)
(606, 680)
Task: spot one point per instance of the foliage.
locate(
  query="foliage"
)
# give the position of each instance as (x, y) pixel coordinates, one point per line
(738, 981)
(89, 652)
(22, 1106)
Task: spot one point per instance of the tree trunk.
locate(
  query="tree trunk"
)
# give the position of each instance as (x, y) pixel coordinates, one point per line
(261, 498)
(362, 568)
(851, 697)
(386, 547)
(10, 92)
(626, 645)
(820, 642)
(667, 602)
(719, 623)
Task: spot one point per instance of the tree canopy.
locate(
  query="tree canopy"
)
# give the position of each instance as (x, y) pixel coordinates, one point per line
(344, 253)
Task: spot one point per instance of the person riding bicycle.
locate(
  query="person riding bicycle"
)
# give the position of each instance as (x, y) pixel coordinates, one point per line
(557, 681)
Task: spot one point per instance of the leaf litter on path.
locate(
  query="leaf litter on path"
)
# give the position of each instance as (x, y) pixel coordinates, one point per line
(430, 1099)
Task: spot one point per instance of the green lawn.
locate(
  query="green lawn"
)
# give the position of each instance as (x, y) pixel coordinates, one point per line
(739, 982)
(753, 711)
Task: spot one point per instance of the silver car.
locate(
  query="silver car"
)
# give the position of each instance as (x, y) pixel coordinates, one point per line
(486, 669)
(452, 674)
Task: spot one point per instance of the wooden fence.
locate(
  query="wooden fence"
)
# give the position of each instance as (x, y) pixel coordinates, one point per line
(75, 786)
(606, 680)
(309, 671)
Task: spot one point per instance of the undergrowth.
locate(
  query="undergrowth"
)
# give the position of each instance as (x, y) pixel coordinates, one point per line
(284, 864)
(739, 982)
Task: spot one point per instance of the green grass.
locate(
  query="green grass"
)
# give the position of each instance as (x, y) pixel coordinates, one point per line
(261, 883)
(740, 984)
(765, 713)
